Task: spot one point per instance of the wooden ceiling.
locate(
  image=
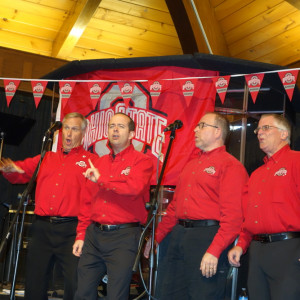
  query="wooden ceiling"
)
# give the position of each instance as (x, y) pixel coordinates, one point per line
(258, 30)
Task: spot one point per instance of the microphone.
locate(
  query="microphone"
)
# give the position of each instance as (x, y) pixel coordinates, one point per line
(55, 126)
(175, 125)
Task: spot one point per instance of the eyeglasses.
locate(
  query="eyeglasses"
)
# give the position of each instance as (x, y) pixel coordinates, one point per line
(203, 124)
(265, 128)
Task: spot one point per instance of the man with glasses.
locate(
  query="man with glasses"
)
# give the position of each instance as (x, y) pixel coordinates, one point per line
(272, 216)
(204, 218)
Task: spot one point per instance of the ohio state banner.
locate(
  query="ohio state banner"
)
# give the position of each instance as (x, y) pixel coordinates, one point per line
(150, 120)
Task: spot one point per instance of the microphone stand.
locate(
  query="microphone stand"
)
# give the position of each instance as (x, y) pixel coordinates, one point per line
(23, 202)
(152, 207)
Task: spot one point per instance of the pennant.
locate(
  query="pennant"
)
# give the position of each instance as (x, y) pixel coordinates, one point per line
(126, 89)
(254, 82)
(188, 88)
(155, 88)
(66, 89)
(95, 89)
(11, 87)
(288, 79)
(38, 89)
(221, 84)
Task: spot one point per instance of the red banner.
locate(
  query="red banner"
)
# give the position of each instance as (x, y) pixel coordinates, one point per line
(38, 89)
(288, 79)
(66, 89)
(188, 87)
(95, 89)
(11, 87)
(150, 120)
(221, 84)
(254, 82)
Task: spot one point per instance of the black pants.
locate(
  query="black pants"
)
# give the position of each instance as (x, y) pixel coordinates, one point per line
(274, 270)
(110, 252)
(179, 275)
(50, 243)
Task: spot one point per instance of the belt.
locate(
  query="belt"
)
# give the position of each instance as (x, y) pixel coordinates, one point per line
(275, 237)
(197, 223)
(107, 227)
(56, 219)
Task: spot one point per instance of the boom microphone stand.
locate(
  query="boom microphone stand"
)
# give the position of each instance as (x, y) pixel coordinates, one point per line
(152, 207)
(23, 202)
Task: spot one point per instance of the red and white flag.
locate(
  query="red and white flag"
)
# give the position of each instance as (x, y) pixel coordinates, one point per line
(288, 79)
(254, 82)
(38, 89)
(10, 87)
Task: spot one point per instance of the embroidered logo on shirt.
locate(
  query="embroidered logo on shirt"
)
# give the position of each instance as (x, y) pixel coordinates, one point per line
(281, 172)
(126, 171)
(81, 164)
(210, 170)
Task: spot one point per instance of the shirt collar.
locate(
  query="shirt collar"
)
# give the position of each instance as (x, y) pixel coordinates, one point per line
(276, 156)
(73, 150)
(212, 152)
(122, 153)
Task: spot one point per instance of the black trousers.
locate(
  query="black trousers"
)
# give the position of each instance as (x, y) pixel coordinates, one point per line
(104, 252)
(274, 270)
(179, 276)
(50, 243)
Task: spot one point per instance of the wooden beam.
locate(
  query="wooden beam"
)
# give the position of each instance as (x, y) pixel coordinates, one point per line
(73, 27)
(206, 28)
(295, 3)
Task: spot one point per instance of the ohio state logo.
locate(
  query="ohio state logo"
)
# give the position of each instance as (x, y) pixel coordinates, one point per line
(156, 86)
(126, 88)
(288, 78)
(38, 88)
(221, 82)
(126, 171)
(81, 164)
(95, 89)
(281, 172)
(11, 87)
(210, 170)
(66, 88)
(254, 81)
(188, 86)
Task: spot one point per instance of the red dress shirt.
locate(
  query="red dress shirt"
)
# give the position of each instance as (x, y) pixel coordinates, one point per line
(209, 188)
(121, 192)
(273, 198)
(60, 181)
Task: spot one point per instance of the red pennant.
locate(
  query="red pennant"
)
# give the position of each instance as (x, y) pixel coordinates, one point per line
(11, 87)
(66, 89)
(188, 87)
(254, 82)
(38, 89)
(288, 79)
(155, 88)
(126, 89)
(221, 83)
(95, 89)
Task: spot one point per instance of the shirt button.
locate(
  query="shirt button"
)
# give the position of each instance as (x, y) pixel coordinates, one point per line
(111, 176)
(107, 189)
(56, 184)
(268, 168)
(53, 196)
(105, 201)
(185, 212)
(59, 174)
(103, 215)
(199, 162)
(255, 222)
(256, 206)
(259, 193)
(189, 185)
(51, 208)
(264, 180)
(193, 172)
(185, 199)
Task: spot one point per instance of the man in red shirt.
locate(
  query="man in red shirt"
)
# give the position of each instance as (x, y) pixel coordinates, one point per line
(58, 194)
(204, 218)
(272, 216)
(121, 182)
